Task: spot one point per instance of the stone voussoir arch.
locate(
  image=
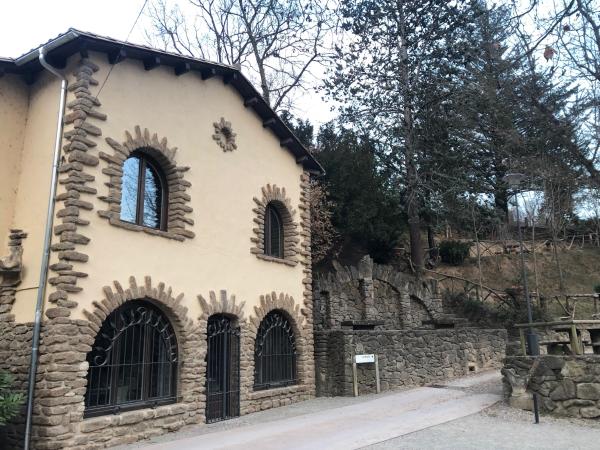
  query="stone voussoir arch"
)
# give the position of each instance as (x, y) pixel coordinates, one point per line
(161, 295)
(277, 197)
(178, 209)
(221, 304)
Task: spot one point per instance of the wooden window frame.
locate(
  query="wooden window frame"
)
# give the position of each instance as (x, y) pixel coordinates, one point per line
(145, 161)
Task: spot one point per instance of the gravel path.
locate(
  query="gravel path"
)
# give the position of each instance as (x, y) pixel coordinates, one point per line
(501, 427)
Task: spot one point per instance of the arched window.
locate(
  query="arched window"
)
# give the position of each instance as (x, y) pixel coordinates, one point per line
(133, 363)
(143, 192)
(273, 232)
(274, 353)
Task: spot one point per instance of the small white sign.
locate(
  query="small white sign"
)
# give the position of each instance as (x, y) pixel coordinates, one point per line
(362, 359)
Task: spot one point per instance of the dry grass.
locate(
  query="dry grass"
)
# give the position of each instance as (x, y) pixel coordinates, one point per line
(581, 272)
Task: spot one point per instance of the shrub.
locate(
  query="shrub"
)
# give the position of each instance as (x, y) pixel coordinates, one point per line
(454, 252)
(597, 288)
(10, 401)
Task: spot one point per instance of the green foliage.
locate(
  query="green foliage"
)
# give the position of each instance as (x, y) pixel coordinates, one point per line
(597, 288)
(303, 129)
(10, 401)
(454, 252)
(366, 209)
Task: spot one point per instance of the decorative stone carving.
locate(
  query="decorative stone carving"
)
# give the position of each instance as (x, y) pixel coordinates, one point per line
(12, 262)
(10, 274)
(224, 135)
(178, 208)
(75, 181)
(275, 196)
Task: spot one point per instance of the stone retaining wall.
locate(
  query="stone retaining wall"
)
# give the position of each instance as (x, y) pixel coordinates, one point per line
(566, 385)
(406, 357)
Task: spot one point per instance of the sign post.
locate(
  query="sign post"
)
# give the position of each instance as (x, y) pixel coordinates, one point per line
(364, 359)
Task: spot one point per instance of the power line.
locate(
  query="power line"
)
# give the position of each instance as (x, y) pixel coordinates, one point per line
(122, 45)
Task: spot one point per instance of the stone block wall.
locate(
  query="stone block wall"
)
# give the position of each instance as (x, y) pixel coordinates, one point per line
(566, 385)
(376, 293)
(15, 354)
(406, 357)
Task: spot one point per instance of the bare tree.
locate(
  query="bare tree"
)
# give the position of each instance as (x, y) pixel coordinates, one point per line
(277, 41)
(567, 34)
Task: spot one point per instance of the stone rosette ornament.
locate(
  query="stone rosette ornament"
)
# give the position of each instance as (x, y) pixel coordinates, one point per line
(224, 135)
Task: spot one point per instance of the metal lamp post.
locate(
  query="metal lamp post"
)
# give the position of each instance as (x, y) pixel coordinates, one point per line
(514, 180)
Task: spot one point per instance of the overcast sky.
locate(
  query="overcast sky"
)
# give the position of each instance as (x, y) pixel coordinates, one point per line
(27, 24)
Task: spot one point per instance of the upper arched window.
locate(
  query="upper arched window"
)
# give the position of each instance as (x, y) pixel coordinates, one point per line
(143, 192)
(133, 363)
(274, 353)
(273, 232)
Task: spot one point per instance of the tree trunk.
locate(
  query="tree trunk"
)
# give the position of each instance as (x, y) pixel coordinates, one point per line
(478, 255)
(433, 252)
(535, 270)
(412, 196)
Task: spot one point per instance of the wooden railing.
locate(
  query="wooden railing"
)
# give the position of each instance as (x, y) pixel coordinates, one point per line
(458, 285)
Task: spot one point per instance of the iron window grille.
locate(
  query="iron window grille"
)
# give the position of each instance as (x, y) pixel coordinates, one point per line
(144, 195)
(275, 353)
(133, 363)
(273, 232)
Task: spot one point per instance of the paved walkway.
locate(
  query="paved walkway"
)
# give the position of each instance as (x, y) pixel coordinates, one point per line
(373, 420)
(455, 415)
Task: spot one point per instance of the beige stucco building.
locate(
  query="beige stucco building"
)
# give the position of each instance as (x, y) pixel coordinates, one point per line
(179, 281)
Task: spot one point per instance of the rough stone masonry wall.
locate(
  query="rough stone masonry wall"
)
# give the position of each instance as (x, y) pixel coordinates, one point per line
(372, 292)
(15, 338)
(406, 357)
(566, 385)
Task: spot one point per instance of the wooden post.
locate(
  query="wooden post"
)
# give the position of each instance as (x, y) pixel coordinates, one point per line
(354, 377)
(522, 338)
(377, 374)
(575, 341)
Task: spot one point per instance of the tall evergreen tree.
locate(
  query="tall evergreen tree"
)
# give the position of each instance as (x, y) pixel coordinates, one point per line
(398, 49)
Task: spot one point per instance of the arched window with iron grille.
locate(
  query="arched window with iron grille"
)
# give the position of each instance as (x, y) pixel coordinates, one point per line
(274, 353)
(273, 232)
(133, 363)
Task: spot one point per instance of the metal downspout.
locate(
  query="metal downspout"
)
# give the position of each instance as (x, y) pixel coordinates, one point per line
(39, 306)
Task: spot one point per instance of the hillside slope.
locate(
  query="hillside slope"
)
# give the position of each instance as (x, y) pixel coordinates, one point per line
(581, 271)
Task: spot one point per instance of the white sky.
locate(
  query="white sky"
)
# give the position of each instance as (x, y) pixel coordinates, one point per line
(27, 24)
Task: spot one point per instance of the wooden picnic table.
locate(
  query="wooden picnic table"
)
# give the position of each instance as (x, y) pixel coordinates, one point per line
(571, 326)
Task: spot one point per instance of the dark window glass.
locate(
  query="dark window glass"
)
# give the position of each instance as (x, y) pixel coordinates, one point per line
(274, 353)
(152, 198)
(273, 232)
(133, 361)
(142, 192)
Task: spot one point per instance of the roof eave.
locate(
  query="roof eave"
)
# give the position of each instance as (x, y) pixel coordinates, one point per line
(28, 63)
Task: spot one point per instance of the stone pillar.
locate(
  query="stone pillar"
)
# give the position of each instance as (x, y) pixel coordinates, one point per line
(367, 288)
